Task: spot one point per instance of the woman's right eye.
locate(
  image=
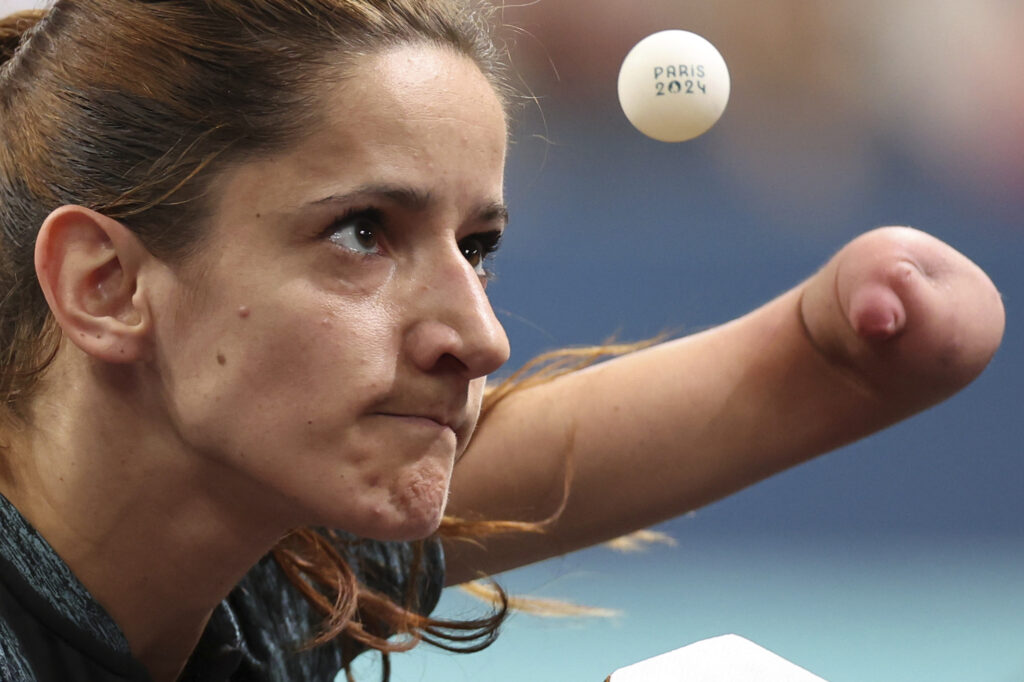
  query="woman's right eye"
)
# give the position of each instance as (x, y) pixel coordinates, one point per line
(358, 233)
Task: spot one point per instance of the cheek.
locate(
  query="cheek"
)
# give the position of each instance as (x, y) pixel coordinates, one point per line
(280, 373)
(278, 390)
(477, 387)
(476, 393)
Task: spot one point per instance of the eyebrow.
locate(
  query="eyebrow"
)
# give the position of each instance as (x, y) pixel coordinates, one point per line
(412, 199)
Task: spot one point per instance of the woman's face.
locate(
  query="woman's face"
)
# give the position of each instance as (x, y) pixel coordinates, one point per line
(330, 342)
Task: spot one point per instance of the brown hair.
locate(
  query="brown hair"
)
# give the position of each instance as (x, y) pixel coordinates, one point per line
(131, 108)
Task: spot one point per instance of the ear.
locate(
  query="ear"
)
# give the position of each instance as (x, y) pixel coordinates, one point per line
(88, 266)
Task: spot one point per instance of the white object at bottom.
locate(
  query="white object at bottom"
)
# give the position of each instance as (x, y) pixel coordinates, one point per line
(729, 658)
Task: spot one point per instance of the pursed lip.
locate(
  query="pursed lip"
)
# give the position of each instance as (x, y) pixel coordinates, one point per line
(437, 419)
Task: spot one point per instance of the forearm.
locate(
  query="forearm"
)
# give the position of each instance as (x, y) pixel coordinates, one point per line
(655, 434)
(864, 342)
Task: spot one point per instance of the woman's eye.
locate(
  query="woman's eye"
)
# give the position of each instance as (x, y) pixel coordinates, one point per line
(473, 252)
(358, 233)
(476, 248)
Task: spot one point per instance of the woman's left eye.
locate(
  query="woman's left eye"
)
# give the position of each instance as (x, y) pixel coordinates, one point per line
(477, 247)
(359, 233)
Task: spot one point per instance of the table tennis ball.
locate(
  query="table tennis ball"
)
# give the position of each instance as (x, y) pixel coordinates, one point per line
(673, 86)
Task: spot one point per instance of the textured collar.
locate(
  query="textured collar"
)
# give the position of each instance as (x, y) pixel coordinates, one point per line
(57, 597)
(28, 555)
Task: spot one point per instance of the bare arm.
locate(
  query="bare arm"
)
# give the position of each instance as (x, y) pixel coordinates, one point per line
(894, 323)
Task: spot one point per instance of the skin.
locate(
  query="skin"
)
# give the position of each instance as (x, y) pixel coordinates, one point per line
(303, 369)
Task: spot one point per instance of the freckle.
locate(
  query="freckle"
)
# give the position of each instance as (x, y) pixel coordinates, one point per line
(243, 311)
(258, 215)
(221, 360)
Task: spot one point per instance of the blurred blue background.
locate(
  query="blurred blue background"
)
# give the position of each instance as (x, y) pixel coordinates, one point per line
(899, 558)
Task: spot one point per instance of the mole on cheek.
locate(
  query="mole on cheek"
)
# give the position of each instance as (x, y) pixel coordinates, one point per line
(221, 360)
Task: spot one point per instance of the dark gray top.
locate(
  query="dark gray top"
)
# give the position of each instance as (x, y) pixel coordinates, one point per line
(52, 630)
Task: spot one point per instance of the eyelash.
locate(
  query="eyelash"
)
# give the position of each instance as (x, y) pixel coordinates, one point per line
(481, 245)
(488, 242)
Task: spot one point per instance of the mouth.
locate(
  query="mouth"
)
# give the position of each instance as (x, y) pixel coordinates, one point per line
(422, 420)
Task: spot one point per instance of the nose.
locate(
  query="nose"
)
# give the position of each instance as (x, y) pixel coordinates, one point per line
(453, 325)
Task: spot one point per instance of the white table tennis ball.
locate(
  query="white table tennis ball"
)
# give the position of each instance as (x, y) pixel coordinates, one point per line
(673, 86)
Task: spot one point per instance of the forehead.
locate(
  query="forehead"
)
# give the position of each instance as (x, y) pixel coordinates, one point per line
(417, 115)
(425, 79)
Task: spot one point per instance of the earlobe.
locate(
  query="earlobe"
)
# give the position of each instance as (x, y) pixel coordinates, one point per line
(88, 267)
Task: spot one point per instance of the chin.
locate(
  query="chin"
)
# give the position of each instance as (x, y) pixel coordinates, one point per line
(384, 520)
(417, 512)
(412, 507)
(415, 529)
(401, 524)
